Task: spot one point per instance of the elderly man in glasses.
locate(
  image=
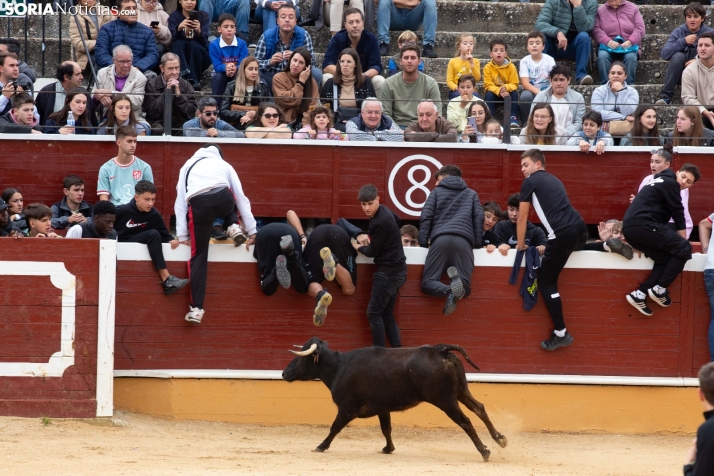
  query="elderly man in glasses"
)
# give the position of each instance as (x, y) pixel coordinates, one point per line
(120, 77)
(207, 124)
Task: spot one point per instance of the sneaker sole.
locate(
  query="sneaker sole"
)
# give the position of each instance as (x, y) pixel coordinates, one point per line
(565, 343)
(281, 269)
(239, 240)
(449, 308)
(661, 102)
(587, 80)
(644, 309)
(620, 248)
(328, 266)
(320, 314)
(193, 320)
(457, 286)
(173, 289)
(662, 302)
(285, 243)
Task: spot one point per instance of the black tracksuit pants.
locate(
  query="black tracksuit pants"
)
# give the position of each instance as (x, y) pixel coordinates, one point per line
(202, 210)
(446, 251)
(380, 310)
(152, 240)
(557, 252)
(669, 251)
(266, 251)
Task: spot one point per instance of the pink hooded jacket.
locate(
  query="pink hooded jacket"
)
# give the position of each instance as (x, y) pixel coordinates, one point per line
(624, 21)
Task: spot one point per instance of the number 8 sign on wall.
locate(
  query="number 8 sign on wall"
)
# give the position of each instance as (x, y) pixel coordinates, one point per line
(408, 182)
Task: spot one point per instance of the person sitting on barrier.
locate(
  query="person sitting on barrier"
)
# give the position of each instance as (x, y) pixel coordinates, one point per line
(410, 236)
(616, 101)
(645, 228)
(319, 127)
(120, 114)
(295, 90)
(183, 99)
(121, 77)
(7, 228)
(373, 125)
(661, 160)
(243, 95)
(534, 72)
(153, 15)
(689, 129)
(227, 53)
(13, 198)
(21, 118)
(402, 93)
(451, 227)
(478, 115)
(280, 258)
(101, 225)
(27, 74)
(208, 187)
(72, 209)
(328, 255)
(190, 40)
(611, 239)
(119, 176)
(39, 221)
(139, 222)
(644, 128)
(592, 137)
(500, 79)
(505, 231)
(491, 216)
(75, 103)
(126, 30)
(429, 126)
(268, 123)
(394, 65)
(700, 457)
(10, 83)
(347, 89)
(705, 233)
(568, 105)
(540, 128)
(207, 124)
(457, 111)
(52, 97)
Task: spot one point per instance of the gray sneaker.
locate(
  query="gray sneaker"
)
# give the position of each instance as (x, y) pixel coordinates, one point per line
(281, 269)
(616, 245)
(554, 342)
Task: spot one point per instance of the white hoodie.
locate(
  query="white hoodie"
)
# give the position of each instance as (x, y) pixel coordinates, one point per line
(210, 173)
(163, 36)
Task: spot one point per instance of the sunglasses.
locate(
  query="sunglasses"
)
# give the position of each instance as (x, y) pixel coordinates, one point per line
(210, 113)
(271, 116)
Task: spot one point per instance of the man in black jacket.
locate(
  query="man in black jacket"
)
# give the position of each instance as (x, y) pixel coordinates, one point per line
(183, 100)
(700, 460)
(139, 222)
(505, 231)
(383, 243)
(451, 225)
(645, 228)
(6, 226)
(21, 118)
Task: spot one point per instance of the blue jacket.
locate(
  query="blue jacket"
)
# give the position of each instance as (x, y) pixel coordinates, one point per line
(228, 54)
(193, 128)
(452, 209)
(137, 36)
(271, 40)
(676, 42)
(367, 49)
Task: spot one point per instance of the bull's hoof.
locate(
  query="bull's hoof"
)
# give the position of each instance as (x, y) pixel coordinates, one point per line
(387, 450)
(485, 454)
(319, 449)
(502, 441)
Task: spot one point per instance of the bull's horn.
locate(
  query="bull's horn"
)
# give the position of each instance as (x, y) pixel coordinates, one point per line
(297, 346)
(303, 353)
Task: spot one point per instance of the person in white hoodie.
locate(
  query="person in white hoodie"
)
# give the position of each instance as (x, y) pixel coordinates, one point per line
(208, 188)
(152, 11)
(698, 80)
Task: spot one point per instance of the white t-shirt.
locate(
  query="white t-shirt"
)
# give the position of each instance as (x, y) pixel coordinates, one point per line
(709, 263)
(563, 118)
(537, 72)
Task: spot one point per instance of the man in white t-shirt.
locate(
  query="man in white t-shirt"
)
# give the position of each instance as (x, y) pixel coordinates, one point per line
(533, 71)
(568, 105)
(119, 176)
(705, 231)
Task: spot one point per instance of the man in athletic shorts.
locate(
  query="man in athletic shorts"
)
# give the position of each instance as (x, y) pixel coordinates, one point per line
(566, 233)
(279, 262)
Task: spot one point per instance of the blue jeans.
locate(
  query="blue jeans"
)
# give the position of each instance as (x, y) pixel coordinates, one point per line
(391, 17)
(578, 50)
(605, 58)
(269, 17)
(238, 8)
(709, 286)
(491, 100)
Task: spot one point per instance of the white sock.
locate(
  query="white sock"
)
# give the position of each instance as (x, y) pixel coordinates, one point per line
(659, 289)
(560, 333)
(639, 294)
(604, 245)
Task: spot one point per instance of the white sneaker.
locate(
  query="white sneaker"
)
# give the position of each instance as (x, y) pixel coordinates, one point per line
(194, 315)
(236, 234)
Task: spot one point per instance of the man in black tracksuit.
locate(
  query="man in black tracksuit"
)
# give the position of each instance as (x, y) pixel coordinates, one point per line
(451, 226)
(566, 233)
(382, 242)
(279, 262)
(139, 222)
(506, 230)
(645, 228)
(700, 461)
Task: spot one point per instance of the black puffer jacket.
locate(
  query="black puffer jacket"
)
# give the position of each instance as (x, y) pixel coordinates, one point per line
(452, 209)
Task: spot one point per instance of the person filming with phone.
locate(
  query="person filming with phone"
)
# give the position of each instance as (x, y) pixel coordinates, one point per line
(190, 29)
(183, 98)
(152, 14)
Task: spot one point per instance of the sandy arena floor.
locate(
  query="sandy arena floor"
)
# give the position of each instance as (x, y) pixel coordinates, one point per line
(141, 445)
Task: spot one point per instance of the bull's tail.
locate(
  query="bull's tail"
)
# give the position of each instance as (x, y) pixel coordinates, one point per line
(445, 348)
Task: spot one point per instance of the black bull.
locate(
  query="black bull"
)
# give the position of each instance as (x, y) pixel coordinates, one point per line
(376, 381)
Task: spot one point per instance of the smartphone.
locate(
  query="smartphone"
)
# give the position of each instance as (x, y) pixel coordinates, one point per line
(154, 24)
(193, 15)
(472, 122)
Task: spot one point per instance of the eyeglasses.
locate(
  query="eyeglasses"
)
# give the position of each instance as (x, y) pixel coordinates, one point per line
(210, 113)
(271, 116)
(541, 117)
(150, 2)
(123, 61)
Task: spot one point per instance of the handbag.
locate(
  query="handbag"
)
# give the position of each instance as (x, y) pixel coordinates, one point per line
(342, 114)
(239, 107)
(619, 128)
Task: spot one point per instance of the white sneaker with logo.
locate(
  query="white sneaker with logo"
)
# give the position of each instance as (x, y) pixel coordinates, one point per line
(194, 315)
(236, 234)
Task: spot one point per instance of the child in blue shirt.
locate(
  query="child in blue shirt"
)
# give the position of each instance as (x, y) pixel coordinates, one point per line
(227, 51)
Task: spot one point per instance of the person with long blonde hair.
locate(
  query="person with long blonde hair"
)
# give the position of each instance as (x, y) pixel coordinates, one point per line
(689, 129)
(245, 92)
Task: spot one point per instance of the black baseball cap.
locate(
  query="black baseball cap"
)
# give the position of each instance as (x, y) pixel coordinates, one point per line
(3, 205)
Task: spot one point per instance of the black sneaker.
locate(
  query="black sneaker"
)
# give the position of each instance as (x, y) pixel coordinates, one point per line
(173, 284)
(287, 245)
(450, 305)
(660, 298)
(457, 287)
(219, 233)
(428, 52)
(384, 49)
(638, 303)
(616, 245)
(281, 270)
(554, 342)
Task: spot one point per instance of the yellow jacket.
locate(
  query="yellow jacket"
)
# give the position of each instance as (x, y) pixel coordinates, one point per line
(457, 68)
(495, 76)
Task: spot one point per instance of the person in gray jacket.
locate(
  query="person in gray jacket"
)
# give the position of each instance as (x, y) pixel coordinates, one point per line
(568, 105)
(615, 100)
(451, 225)
(207, 123)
